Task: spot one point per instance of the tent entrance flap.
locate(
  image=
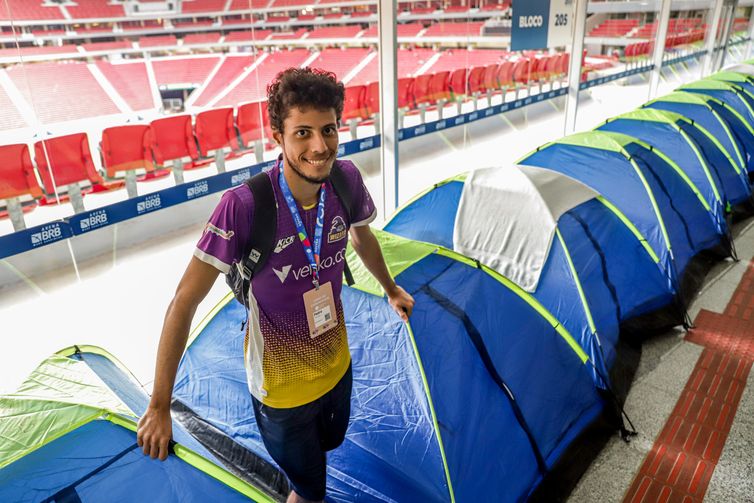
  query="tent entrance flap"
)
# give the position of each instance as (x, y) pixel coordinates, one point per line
(532, 199)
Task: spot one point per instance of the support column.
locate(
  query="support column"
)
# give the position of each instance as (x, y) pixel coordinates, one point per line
(711, 37)
(659, 52)
(388, 49)
(730, 14)
(747, 53)
(574, 67)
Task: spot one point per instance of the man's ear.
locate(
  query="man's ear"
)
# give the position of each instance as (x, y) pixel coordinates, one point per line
(277, 136)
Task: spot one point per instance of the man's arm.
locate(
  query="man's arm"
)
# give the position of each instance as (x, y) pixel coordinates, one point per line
(155, 427)
(368, 248)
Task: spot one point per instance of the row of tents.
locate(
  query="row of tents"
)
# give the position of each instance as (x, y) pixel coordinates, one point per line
(528, 279)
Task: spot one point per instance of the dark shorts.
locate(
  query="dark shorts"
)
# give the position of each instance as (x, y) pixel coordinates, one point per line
(298, 438)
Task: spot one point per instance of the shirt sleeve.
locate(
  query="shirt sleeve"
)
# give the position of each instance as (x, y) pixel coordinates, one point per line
(224, 237)
(365, 210)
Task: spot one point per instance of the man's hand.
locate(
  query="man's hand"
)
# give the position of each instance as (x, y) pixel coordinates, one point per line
(154, 433)
(402, 302)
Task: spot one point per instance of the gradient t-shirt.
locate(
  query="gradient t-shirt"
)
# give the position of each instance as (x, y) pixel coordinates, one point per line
(285, 367)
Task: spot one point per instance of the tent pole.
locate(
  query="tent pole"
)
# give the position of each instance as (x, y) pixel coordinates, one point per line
(659, 50)
(574, 67)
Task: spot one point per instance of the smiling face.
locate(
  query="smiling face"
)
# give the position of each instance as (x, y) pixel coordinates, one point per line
(310, 142)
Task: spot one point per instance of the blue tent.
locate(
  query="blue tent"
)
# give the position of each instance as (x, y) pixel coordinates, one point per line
(729, 93)
(730, 128)
(69, 435)
(701, 157)
(476, 399)
(584, 281)
(648, 187)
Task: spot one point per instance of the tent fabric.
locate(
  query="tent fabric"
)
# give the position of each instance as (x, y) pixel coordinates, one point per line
(588, 258)
(530, 200)
(709, 168)
(651, 192)
(478, 395)
(83, 416)
(724, 123)
(731, 94)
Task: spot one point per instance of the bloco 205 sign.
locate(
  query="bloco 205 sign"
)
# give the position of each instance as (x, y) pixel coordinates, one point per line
(539, 24)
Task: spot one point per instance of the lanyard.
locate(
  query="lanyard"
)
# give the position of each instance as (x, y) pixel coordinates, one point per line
(311, 254)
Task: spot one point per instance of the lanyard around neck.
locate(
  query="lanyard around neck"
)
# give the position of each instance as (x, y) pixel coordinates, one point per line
(311, 253)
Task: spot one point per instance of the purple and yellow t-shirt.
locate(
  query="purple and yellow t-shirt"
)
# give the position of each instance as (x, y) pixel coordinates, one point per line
(285, 367)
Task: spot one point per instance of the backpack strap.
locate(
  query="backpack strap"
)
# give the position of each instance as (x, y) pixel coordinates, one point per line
(262, 239)
(340, 187)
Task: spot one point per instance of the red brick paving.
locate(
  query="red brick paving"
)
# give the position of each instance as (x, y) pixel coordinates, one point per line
(680, 465)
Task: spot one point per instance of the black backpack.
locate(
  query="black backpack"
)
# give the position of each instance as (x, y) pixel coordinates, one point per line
(264, 227)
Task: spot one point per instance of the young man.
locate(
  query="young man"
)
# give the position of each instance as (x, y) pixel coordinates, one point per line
(297, 361)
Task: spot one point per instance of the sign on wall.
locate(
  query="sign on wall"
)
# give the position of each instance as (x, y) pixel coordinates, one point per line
(540, 24)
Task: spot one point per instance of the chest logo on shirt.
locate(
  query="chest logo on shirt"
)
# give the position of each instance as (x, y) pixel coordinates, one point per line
(226, 235)
(283, 273)
(284, 243)
(338, 230)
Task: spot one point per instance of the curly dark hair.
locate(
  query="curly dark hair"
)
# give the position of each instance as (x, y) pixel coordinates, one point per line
(303, 88)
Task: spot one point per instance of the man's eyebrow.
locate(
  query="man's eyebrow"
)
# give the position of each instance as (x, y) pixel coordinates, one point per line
(304, 126)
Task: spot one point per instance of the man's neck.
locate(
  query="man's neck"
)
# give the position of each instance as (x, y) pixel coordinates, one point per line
(305, 193)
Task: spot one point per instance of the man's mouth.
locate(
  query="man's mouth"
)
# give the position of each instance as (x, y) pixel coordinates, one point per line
(317, 162)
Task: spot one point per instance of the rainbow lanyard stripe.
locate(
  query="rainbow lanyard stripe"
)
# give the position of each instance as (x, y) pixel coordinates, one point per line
(311, 254)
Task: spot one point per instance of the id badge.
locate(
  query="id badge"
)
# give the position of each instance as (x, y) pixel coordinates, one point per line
(320, 310)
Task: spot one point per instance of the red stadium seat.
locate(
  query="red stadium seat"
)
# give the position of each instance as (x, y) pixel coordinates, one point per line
(354, 103)
(406, 93)
(521, 71)
(215, 131)
(439, 86)
(372, 98)
(17, 173)
(422, 92)
(476, 80)
(458, 83)
(489, 77)
(505, 74)
(173, 139)
(254, 126)
(67, 160)
(126, 148)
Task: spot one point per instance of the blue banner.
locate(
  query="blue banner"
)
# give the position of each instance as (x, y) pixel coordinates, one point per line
(531, 19)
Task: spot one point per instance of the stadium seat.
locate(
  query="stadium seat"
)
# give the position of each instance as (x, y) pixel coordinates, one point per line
(372, 98)
(458, 83)
(127, 149)
(489, 77)
(253, 125)
(422, 94)
(173, 140)
(17, 173)
(354, 103)
(215, 132)
(17, 182)
(406, 93)
(521, 71)
(505, 74)
(439, 86)
(476, 80)
(64, 163)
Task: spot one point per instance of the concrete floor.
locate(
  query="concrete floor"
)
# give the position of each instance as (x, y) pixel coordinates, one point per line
(117, 300)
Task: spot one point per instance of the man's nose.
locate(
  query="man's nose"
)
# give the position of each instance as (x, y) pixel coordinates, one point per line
(318, 144)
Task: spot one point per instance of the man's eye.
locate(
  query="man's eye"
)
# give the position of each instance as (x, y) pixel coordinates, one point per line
(301, 133)
(329, 130)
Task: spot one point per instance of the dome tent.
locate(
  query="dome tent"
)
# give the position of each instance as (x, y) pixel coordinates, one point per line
(651, 190)
(590, 296)
(731, 94)
(480, 394)
(78, 409)
(722, 121)
(701, 157)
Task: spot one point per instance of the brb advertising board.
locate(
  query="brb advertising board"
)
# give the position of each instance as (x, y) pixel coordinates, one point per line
(540, 24)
